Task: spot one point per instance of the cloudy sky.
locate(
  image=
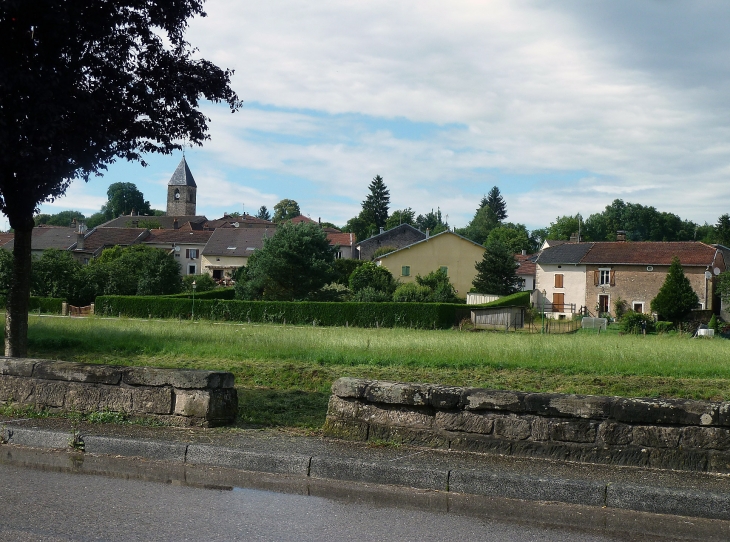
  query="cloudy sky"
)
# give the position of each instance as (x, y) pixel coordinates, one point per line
(564, 105)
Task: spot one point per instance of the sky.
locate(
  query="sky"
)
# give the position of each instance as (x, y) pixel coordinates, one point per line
(563, 105)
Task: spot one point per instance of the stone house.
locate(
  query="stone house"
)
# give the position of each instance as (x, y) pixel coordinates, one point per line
(397, 238)
(447, 250)
(592, 277)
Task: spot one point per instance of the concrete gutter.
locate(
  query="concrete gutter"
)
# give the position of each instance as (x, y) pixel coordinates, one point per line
(271, 452)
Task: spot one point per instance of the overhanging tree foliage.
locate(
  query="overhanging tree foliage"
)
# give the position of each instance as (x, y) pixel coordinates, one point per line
(676, 298)
(83, 83)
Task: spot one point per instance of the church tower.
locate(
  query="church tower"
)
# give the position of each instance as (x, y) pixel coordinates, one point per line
(181, 192)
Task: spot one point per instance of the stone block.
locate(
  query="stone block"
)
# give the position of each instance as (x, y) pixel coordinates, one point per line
(612, 455)
(50, 394)
(223, 406)
(17, 366)
(381, 472)
(573, 431)
(467, 442)
(147, 449)
(445, 397)
(717, 438)
(464, 421)
(342, 408)
(407, 435)
(659, 500)
(663, 458)
(718, 462)
(116, 399)
(373, 414)
(83, 397)
(398, 393)
(512, 428)
(153, 401)
(540, 429)
(345, 429)
(16, 389)
(656, 437)
(568, 406)
(404, 417)
(611, 433)
(558, 451)
(481, 399)
(347, 387)
(78, 372)
(665, 411)
(187, 379)
(724, 414)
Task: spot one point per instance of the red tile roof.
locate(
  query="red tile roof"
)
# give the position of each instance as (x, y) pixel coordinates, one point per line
(690, 253)
(526, 263)
(342, 239)
(179, 236)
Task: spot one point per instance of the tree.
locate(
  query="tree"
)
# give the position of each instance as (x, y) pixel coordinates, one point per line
(122, 199)
(83, 83)
(375, 206)
(496, 203)
(514, 236)
(263, 213)
(676, 298)
(442, 291)
(359, 227)
(286, 209)
(64, 218)
(564, 227)
(55, 274)
(496, 273)
(722, 230)
(370, 275)
(403, 216)
(481, 225)
(432, 221)
(292, 265)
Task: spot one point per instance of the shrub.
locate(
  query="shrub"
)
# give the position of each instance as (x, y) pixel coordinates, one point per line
(631, 322)
(713, 324)
(203, 283)
(619, 306)
(372, 276)
(663, 327)
(411, 292)
(371, 295)
(383, 250)
(520, 299)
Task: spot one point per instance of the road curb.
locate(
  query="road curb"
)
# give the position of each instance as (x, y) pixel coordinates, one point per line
(466, 481)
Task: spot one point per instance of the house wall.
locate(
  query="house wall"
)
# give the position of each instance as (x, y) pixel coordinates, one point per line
(574, 286)
(444, 250)
(229, 263)
(529, 284)
(634, 284)
(180, 256)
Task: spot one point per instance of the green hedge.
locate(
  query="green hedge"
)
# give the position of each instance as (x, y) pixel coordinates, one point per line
(520, 299)
(48, 305)
(418, 315)
(217, 293)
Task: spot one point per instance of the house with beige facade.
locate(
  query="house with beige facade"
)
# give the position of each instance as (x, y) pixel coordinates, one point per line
(229, 248)
(453, 253)
(185, 245)
(592, 277)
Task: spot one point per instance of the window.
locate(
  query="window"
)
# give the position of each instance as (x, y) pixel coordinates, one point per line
(405, 271)
(445, 270)
(338, 255)
(191, 253)
(191, 269)
(604, 277)
(637, 306)
(558, 280)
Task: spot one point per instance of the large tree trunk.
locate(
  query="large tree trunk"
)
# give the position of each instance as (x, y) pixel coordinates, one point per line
(16, 310)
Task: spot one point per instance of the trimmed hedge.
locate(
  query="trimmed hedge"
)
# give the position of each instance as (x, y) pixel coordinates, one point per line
(520, 299)
(217, 293)
(48, 305)
(417, 315)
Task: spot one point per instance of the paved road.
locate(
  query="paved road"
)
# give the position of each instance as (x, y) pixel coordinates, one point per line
(56, 506)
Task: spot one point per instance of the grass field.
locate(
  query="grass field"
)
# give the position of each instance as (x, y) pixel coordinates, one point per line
(284, 373)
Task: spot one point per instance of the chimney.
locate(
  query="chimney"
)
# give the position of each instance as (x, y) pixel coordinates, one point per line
(427, 233)
(79, 240)
(575, 238)
(621, 235)
(524, 252)
(134, 213)
(175, 225)
(319, 220)
(382, 229)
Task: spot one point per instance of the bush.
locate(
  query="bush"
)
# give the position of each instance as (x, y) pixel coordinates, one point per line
(520, 299)
(631, 322)
(663, 327)
(387, 314)
(372, 276)
(47, 305)
(713, 324)
(411, 292)
(371, 295)
(217, 293)
(203, 283)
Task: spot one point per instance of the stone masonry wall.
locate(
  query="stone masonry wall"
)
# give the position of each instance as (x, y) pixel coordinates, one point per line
(674, 434)
(178, 396)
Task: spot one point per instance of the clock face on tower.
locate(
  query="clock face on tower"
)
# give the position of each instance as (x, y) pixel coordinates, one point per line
(177, 195)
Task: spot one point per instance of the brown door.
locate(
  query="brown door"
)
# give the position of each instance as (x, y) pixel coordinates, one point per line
(558, 302)
(602, 304)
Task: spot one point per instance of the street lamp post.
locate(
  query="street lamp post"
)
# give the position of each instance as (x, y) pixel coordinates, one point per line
(194, 287)
(544, 293)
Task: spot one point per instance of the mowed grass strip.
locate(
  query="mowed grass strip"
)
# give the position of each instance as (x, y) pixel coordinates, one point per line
(295, 366)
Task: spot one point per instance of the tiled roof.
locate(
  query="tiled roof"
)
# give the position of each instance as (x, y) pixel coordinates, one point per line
(165, 222)
(690, 253)
(301, 218)
(100, 238)
(526, 263)
(567, 253)
(341, 239)
(427, 239)
(179, 237)
(6, 237)
(231, 221)
(236, 241)
(391, 231)
(182, 175)
(44, 237)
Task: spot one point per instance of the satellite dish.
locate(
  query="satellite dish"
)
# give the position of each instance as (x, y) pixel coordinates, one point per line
(708, 275)
(649, 268)
(177, 249)
(717, 270)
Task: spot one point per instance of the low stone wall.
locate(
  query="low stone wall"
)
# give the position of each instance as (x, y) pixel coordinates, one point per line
(177, 396)
(674, 434)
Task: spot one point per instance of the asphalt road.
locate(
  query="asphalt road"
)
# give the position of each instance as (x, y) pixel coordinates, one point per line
(58, 506)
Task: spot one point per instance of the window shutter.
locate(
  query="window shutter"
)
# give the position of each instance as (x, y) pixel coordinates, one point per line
(596, 277)
(187, 253)
(558, 280)
(613, 278)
